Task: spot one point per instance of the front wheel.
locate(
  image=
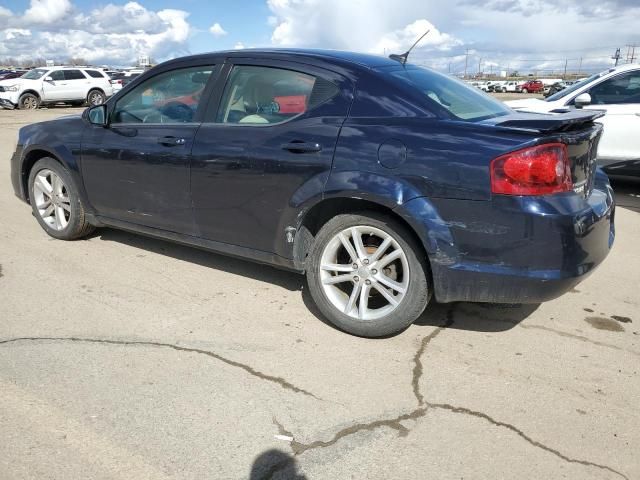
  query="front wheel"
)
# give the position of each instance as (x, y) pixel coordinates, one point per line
(55, 201)
(524, 90)
(368, 275)
(28, 101)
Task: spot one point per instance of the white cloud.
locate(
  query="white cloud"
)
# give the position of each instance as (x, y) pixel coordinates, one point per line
(400, 40)
(217, 30)
(46, 11)
(500, 34)
(113, 34)
(239, 46)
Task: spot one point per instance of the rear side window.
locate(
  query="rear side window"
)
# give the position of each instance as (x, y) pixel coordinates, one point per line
(73, 75)
(456, 97)
(267, 95)
(94, 73)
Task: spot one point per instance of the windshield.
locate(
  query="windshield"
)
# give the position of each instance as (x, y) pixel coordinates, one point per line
(34, 74)
(461, 100)
(574, 87)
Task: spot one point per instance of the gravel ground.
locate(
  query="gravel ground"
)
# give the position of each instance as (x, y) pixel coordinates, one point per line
(123, 357)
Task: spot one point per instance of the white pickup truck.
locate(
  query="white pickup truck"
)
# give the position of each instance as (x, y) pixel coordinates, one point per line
(55, 84)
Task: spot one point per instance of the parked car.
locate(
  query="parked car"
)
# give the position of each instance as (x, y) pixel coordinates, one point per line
(122, 79)
(531, 86)
(555, 88)
(387, 184)
(498, 86)
(12, 74)
(617, 93)
(511, 86)
(55, 84)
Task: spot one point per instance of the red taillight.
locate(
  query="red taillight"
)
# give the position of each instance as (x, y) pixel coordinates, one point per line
(538, 170)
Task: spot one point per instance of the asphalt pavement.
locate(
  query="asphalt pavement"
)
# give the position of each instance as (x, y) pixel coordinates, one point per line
(124, 357)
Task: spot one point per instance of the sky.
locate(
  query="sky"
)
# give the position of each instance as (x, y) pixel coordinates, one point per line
(491, 35)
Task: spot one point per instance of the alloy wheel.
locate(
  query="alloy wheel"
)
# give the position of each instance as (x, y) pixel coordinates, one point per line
(52, 199)
(30, 103)
(364, 272)
(95, 98)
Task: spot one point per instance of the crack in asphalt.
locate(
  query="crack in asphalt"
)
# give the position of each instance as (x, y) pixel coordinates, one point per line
(250, 370)
(520, 433)
(299, 448)
(418, 369)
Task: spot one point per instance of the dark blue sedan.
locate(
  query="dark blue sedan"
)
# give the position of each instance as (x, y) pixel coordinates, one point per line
(388, 184)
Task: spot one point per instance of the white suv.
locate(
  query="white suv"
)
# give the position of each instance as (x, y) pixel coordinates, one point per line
(55, 84)
(617, 92)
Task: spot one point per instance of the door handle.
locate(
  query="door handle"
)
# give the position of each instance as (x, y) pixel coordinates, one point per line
(171, 141)
(298, 146)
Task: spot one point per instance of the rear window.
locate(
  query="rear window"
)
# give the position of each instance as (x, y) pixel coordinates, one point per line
(94, 73)
(460, 100)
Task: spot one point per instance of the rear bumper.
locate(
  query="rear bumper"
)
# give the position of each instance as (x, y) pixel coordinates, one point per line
(518, 249)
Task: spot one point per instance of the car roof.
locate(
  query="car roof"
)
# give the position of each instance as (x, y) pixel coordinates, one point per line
(332, 56)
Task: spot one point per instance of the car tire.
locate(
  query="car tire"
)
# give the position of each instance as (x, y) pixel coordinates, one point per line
(55, 201)
(524, 90)
(404, 278)
(28, 101)
(95, 97)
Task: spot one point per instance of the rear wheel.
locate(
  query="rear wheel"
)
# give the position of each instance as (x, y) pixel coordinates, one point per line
(28, 101)
(367, 275)
(95, 97)
(55, 201)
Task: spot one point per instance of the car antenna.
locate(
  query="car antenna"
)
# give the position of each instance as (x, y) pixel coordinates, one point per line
(403, 57)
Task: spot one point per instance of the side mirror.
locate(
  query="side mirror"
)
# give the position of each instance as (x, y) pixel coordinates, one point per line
(582, 100)
(48, 79)
(97, 115)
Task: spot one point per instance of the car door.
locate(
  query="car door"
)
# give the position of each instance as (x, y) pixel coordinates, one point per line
(76, 84)
(619, 97)
(137, 168)
(54, 86)
(269, 137)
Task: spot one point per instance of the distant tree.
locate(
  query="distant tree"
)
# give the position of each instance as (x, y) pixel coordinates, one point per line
(77, 61)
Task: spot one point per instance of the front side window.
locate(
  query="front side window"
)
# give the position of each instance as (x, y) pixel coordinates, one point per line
(57, 75)
(170, 97)
(74, 75)
(266, 95)
(458, 98)
(621, 89)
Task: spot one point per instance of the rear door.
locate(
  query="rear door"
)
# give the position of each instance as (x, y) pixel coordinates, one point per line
(271, 134)
(77, 84)
(137, 169)
(619, 96)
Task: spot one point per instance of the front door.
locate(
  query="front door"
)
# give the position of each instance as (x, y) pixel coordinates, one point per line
(137, 169)
(54, 86)
(272, 136)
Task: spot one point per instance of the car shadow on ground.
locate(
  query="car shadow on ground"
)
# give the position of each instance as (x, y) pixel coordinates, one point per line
(627, 193)
(262, 273)
(481, 317)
